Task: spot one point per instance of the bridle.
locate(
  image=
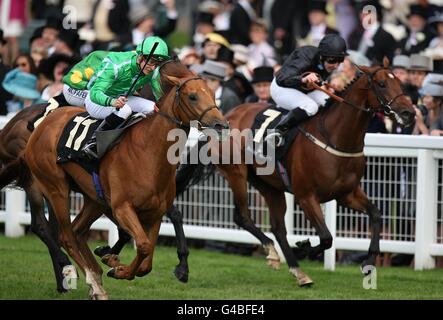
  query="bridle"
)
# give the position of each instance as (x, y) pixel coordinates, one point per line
(385, 105)
(188, 111)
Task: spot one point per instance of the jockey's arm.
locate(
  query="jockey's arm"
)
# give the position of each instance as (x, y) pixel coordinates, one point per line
(295, 67)
(105, 79)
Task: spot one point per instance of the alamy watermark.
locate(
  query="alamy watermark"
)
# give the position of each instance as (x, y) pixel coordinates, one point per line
(70, 20)
(370, 278)
(69, 277)
(369, 16)
(229, 146)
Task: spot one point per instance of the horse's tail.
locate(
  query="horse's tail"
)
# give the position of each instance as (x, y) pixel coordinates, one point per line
(16, 171)
(191, 174)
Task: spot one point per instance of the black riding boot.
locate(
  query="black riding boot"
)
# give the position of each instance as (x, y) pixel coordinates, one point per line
(288, 121)
(109, 123)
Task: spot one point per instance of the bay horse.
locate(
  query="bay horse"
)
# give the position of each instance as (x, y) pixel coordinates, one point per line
(136, 176)
(317, 174)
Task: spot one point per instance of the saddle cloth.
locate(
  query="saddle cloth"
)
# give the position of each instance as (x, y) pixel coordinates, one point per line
(264, 123)
(79, 130)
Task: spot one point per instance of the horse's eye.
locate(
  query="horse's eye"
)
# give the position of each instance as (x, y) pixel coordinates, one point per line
(381, 84)
(193, 97)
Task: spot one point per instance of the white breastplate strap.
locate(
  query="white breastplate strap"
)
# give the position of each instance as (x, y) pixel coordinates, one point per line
(329, 148)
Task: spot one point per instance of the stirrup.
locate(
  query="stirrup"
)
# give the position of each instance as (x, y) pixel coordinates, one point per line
(276, 136)
(89, 151)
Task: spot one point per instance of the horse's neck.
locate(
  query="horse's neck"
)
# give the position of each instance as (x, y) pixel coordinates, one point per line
(155, 133)
(345, 125)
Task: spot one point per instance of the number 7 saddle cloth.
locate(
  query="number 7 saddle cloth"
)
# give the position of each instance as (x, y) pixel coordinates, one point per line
(264, 124)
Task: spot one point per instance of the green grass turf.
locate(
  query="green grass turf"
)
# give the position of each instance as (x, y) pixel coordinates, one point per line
(26, 273)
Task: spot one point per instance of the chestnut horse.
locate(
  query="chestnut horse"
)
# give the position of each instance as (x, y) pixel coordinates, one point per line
(136, 176)
(317, 174)
(13, 139)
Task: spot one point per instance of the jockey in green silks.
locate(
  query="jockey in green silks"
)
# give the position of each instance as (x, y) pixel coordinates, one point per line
(75, 83)
(108, 96)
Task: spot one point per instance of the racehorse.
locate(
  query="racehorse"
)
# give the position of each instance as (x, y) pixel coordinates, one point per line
(316, 174)
(137, 179)
(13, 139)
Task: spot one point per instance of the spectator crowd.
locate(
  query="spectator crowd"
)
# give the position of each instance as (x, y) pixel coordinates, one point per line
(237, 46)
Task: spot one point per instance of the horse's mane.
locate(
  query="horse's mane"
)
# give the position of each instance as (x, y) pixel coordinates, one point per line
(172, 68)
(343, 92)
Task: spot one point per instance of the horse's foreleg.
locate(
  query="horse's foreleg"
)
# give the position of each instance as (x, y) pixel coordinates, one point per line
(358, 200)
(313, 212)
(127, 218)
(237, 178)
(152, 233)
(40, 226)
(181, 270)
(89, 213)
(58, 195)
(109, 254)
(277, 208)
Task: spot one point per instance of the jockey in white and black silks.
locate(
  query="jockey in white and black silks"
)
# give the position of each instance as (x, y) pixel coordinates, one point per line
(291, 88)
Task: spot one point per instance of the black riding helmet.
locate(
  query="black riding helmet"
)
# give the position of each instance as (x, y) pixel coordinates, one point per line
(332, 45)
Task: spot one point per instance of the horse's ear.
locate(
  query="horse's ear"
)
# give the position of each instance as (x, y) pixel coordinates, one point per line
(173, 80)
(385, 62)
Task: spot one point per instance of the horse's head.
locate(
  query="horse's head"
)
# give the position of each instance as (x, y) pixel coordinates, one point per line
(386, 94)
(193, 100)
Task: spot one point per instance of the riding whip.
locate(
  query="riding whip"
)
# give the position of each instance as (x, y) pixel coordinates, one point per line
(141, 70)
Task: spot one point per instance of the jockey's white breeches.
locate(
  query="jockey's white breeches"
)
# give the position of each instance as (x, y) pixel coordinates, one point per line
(289, 98)
(134, 104)
(74, 97)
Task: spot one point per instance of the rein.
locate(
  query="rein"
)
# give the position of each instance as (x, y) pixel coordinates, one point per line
(385, 107)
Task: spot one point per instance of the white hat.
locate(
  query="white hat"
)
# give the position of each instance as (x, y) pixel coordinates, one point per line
(431, 89)
(401, 61)
(214, 70)
(418, 62)
(240, 53)
(433, 78)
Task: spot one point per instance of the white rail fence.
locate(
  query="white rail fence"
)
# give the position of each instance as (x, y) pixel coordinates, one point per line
(403, 178)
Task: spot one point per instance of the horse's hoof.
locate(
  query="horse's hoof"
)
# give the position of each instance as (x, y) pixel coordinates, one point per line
(305, 282)
(273, 259)
(111, 260)
(111, 273)
(99, 297)
(274, 264)
(304, 245)
(181, 274)
(62, 290)
(101, 251)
